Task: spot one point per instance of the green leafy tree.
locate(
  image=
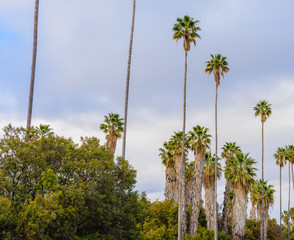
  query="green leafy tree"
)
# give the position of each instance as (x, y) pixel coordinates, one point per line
(264, 110)
(218, 65)
(113, 127)
(187, 29)
(199, 141)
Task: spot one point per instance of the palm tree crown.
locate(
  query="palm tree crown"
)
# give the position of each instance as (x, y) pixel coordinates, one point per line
(263, 108)
(209, 169)
(229, 150)
(281, 157)
(199, 138)
(112, 124)
(187, 29)
(256, 193)
(241, 171)
(218, 65)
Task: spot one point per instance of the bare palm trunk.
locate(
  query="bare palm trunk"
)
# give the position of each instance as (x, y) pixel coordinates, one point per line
(182, 206)
(33, 69)
(197, 179)
(239, 213)
(289, 206)
(111, 141)
(170, 182)
(178, 159)
(189, 191)
(209, 204)
(226, 210)
(252, 211)
(215, 197)
(266, 221)
(262, 192)
(280, 202)
(128, 81)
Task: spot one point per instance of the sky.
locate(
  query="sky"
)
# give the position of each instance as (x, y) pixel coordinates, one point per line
(81, 74)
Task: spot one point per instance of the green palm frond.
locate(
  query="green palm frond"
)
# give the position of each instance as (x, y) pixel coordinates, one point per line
(263, 109)
(112, 124)
(199, 138)
(217, 65)
(281, 157)
(256, 193)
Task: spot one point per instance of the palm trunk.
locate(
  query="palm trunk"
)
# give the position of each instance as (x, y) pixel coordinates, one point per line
(111, 141)
(280, 202)
(197, 179)
(170, 183)
(182, 206)
(262, 193)
(128, 81)
(209, 205)
(178, 159)
(226, 210)
(33, 69)
(266, 221)
(239, 213)
(215, 197)
(189, 192)
(289, 206)
(252, 211)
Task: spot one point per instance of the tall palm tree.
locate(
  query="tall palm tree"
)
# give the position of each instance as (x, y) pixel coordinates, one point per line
(263, 109)
(33, 69)
(187, 29)
(167, 157)
(219, 66)
(113, 127)
(241, 172)
(229, 150)
(280, 157)
(209, 187)
(268, 200)
(128, 81)
(199, 140)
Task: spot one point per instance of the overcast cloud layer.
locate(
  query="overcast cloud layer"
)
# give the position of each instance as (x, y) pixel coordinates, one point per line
(81, 72)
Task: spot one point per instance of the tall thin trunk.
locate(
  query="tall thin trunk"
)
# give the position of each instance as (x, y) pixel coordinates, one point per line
(280, 202)
(289, 206)
(265, 221)
(215, 197)
(262, 191)
(128, 81)
(239, 213)
(178, 159)
(33, 69)
(182, 206)
(197, 179)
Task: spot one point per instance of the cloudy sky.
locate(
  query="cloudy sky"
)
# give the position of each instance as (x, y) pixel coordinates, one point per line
(82, 63)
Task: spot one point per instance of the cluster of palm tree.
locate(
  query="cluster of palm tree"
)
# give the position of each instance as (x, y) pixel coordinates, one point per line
(285, 155)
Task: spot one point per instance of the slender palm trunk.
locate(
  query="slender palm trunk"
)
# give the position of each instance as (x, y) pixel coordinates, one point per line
(265, 221)
(226, 210)
(128, 81)
(33, 69)
(262, 191)
(182, 205)
(280, 202)
(197, 179)
(289, 206)
(215, 197)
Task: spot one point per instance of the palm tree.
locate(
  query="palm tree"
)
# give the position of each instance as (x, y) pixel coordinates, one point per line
(285, 218)
(253, 204)
(291, 215)
(219, 66)
(199, 140)
(241, 172)
(209, 187)
(43, 130)
(264, 110)
(189, 188)
(268, 200)
(113, 127)
(187, 29)
(128, 81)
(229, 151)
(280, 157)
(33, 69)
(166, 154)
